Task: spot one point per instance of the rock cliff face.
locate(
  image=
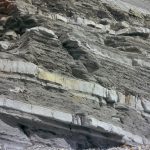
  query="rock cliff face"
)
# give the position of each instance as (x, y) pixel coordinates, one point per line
(74, 74)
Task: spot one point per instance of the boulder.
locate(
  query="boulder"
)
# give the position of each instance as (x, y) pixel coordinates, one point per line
(11, 35)
(4, 45)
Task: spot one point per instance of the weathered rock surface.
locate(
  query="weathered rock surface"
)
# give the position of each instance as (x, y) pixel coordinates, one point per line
(74, 74)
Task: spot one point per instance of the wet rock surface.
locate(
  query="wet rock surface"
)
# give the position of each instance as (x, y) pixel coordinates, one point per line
(74, 74)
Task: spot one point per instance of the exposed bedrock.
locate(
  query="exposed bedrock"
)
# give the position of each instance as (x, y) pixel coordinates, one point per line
(74, 74)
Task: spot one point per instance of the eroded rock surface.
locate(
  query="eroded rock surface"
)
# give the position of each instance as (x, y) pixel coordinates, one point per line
(74, 74)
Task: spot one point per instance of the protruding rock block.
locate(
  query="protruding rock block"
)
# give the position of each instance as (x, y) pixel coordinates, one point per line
(43, 30)
(61, 18)
(36, 110)
(130, 100)
(58, 115)
(99, 90)
(4, 45)
(18, 67)
(146, 105)
(134, 31)
(78, 119)
(112, 96)
(127, 137)
(11, 35)
(139, 106)
(121, 98)
(58, 17)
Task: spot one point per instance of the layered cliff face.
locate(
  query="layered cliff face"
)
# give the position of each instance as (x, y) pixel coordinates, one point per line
(74, 74)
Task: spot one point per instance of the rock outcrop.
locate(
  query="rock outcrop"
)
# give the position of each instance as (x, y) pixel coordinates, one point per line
(74, 74)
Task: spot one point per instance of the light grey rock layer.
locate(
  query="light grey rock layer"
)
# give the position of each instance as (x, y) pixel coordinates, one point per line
(88, 88)
(90, 122)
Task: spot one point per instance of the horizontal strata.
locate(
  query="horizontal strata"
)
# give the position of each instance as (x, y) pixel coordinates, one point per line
(73, 119)
(127, 31)
(87, 89)
(125, 6)
(141, 31)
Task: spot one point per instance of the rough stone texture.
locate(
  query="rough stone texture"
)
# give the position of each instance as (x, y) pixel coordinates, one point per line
(74, 74)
